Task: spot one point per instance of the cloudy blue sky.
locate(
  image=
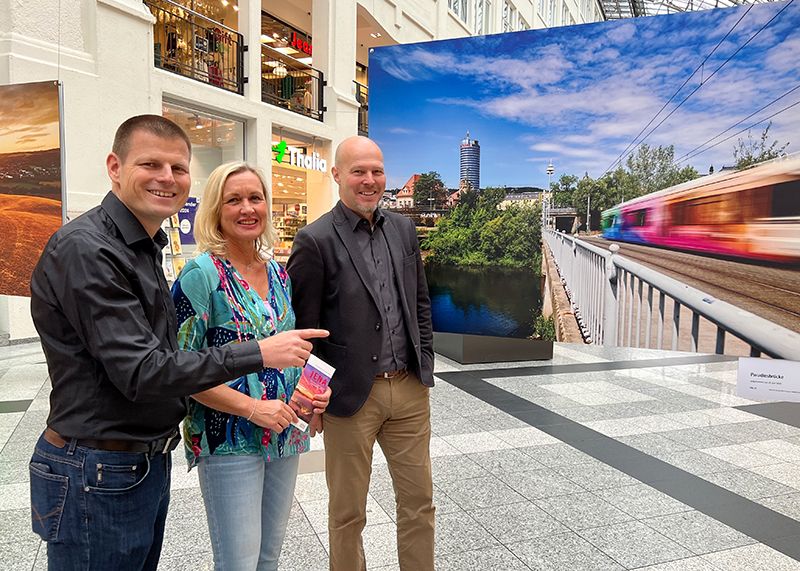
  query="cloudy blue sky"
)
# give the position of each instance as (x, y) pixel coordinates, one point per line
(579, 95)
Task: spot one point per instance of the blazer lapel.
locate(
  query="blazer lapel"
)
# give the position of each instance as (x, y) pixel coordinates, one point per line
(345, 232)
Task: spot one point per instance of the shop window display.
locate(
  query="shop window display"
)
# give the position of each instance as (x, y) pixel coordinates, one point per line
(287, 78)
(289, 207)
(215, 140)
(196, 40)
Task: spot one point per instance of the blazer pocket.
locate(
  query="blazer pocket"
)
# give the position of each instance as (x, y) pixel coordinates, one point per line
(410, 259)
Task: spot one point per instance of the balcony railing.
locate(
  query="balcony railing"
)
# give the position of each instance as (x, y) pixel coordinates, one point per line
(191, 45)
(287, 83)
(362, 96)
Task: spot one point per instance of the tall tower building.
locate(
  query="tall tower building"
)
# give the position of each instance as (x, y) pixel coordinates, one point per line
(470, 162)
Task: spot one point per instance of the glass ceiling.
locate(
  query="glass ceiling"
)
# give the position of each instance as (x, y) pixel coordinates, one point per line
(615, 9)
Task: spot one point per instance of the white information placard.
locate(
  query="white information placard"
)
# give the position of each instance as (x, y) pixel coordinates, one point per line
(768, 379)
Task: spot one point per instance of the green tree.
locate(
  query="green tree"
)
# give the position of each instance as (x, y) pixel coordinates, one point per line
(479, 234)
(429, 185)
(750, 152)
(604, 192)
(468, 197)
(653, 168)
(563, 189)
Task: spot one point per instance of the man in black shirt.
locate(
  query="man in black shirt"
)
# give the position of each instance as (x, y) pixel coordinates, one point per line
(100, 471)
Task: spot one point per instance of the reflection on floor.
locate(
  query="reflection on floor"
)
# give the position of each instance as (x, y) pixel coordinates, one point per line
(599, 459)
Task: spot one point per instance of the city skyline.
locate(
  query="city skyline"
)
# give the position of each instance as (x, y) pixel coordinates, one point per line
(579, 95)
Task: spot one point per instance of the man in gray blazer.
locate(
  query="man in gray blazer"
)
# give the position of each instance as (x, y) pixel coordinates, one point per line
(357, 271)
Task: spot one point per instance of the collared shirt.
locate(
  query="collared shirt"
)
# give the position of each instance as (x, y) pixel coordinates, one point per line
(107, 324)
(374, 249)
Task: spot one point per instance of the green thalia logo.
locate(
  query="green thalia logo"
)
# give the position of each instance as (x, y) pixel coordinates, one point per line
(298, 158)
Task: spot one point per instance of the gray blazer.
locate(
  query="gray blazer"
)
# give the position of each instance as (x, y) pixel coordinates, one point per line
(330, 289)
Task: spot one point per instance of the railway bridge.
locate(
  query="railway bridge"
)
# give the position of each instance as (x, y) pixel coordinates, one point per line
(640, 296)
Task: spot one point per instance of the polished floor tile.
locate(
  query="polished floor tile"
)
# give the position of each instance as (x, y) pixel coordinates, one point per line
(544, 467)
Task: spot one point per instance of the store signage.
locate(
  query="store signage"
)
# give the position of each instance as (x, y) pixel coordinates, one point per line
(186, 220)
(297, 158)
(300, 44)
(768, 379)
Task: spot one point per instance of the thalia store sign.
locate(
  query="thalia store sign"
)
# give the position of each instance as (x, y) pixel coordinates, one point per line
(297, 158)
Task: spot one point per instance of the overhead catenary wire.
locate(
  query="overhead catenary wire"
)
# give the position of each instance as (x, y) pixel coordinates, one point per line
(728, 138)
(691, 154)
(696, 89)
(698, 68)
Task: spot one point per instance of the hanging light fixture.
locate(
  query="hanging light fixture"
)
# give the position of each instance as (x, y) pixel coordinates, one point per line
(280, 70)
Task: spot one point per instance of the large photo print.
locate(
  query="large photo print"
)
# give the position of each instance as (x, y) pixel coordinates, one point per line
(30, 179)
(675, 137)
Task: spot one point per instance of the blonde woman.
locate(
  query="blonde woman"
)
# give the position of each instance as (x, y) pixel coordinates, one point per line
(239, 435)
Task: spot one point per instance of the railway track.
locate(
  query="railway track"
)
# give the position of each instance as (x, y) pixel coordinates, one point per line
(770, 292)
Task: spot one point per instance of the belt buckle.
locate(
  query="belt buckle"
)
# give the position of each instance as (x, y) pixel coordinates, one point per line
(391, 374)
(162, 445)
(167, 442)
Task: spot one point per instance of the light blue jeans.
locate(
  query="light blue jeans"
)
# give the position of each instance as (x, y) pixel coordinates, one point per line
(247, 503)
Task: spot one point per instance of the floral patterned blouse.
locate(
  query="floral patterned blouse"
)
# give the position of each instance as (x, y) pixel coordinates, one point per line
(216, 306)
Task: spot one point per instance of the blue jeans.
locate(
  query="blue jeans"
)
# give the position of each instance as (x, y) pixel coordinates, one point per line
(247, 503)
(98, 509)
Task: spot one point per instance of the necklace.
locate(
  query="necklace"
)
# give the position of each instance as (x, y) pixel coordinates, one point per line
(238, 290)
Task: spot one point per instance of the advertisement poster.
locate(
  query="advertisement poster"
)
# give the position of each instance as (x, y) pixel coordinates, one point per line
(186, 220)
(484, 131)
(30, 179)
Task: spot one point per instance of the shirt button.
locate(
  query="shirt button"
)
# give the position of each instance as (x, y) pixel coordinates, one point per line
(374, 358)
(377, 327)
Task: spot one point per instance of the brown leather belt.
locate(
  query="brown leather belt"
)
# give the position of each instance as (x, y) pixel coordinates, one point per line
(161, 445)
(391, 374)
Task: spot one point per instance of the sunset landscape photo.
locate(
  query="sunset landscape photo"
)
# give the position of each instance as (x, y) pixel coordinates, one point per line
(30, 179)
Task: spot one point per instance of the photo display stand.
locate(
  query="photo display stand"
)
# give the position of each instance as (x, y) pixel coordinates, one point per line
(469, 349)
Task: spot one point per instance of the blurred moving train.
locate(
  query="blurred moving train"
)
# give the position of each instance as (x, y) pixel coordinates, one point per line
(753, 213)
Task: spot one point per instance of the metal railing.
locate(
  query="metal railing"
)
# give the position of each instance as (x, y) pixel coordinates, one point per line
(191, 45)
(362, 96)
(287, 83)
(613, 299)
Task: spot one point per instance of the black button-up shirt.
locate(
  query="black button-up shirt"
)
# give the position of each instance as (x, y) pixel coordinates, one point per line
(107, 324)
(374, 249)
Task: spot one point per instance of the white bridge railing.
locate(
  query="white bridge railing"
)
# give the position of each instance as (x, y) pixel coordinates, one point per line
(614, 301)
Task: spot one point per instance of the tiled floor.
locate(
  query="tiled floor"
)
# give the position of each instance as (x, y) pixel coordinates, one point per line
(597, 459)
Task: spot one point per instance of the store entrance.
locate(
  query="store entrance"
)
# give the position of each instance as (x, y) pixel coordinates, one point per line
(289, 207)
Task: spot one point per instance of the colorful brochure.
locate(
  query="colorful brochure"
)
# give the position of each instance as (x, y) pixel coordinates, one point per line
(313, 381)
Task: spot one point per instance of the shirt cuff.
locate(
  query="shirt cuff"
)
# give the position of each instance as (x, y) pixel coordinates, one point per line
(245, 358)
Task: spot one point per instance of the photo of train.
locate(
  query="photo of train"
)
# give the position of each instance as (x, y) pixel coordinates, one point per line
(753, 214)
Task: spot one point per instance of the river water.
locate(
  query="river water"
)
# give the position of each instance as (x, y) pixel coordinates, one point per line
(484, 301)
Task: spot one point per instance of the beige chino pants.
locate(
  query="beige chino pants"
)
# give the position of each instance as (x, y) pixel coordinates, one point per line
(397, 415)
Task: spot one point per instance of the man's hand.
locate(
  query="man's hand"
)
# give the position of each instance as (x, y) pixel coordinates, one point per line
(315, 426)
(273, 414)
(321, 401)
(289, 348)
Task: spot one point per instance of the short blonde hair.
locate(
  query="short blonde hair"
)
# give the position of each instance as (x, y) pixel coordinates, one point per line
(207, 231)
